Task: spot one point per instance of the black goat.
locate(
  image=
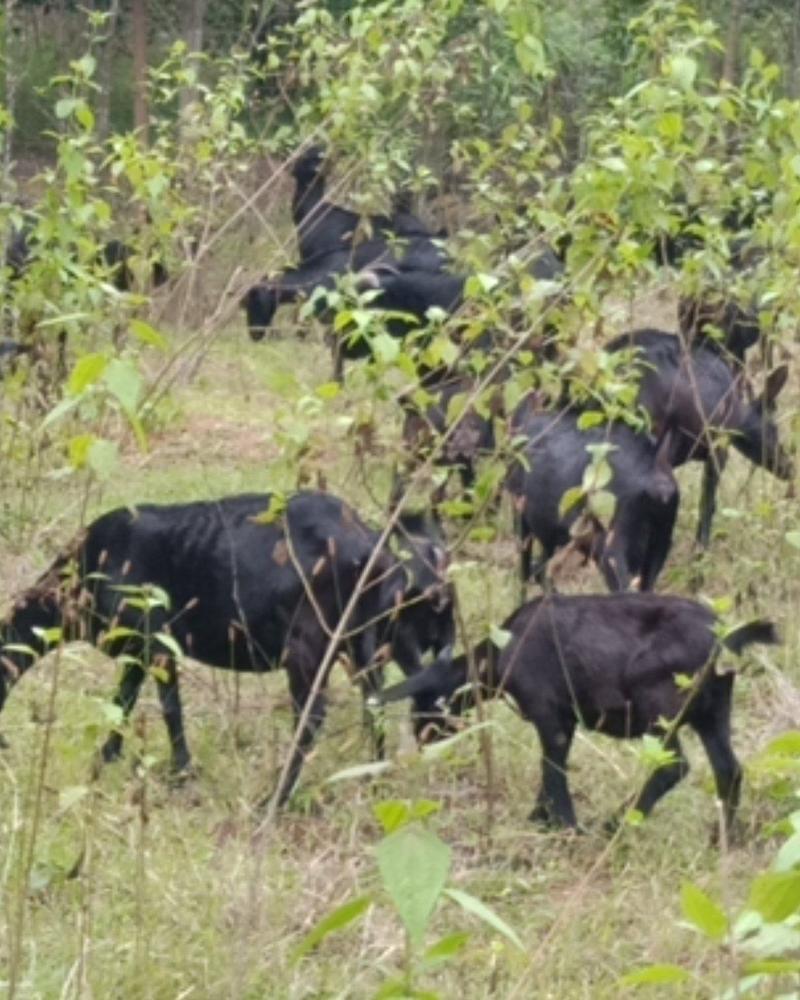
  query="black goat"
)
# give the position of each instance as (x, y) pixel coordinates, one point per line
(634, 547)
(696, 396)
(239, 592)
(611, 663)
(401, 240)
(328, 247)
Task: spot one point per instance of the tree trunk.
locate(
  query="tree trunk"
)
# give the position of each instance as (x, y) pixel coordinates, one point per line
(192, 27)
(794, 51)
(11, 83)
(104, 71)
(730, 64)
(140, 116)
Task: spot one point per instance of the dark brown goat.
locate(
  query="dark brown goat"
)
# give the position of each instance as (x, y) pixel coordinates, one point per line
(696, 396)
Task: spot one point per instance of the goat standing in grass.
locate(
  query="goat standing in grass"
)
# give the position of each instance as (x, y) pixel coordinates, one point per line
(612, 663)
(241, 590)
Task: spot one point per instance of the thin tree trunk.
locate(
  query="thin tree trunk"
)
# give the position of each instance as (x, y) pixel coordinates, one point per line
(140, 115)
(195, 12)
(11, 94)
(730, 64)
(104, 71)
(794, 51)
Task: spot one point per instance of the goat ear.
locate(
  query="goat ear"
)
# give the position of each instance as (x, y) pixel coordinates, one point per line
(775, 381)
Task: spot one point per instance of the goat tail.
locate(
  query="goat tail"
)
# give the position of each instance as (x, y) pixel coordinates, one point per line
(761, 631)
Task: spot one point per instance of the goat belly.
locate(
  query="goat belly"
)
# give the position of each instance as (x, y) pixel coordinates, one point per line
(619, 721)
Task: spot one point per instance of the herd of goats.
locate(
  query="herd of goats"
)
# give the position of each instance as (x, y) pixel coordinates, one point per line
(261, 581)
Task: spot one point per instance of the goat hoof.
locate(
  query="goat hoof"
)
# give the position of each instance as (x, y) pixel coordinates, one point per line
(734, 835)
(540, 816)
(183, 775)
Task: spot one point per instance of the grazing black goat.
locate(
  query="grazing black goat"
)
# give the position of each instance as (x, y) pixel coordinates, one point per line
(612, 663)
(238, 590)
(696, 396)
(401, 240)
(632, 550)
(327, 242)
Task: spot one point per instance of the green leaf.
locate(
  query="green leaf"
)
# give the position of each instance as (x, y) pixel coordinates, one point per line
(118, 632)
(371, 770)
(442, 747)
(277, 505)
(591, 418)
(603, 504)
(392, 814)
(500, 637)
(102, 457)
(328, 390)
(65, 107)
(701, 911)
(788, 857)
(772, 966)
(775, 895)
(170, 643)
(385, 347)
(341, 917)
(78, 449)
(84, 115)
(413, 864)
(479, 909)
(124, 383)
(793, 538)
(86, 372)
(652, 974)
(146, 334)
(445, 948)
(785, 745)
(571, 498)
(683, 69)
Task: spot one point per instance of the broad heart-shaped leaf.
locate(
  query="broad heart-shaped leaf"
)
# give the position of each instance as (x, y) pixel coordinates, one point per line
(776, 895)
(700, 910)
(339, 918)
(653, 974)
(473, 905)
(414, 864)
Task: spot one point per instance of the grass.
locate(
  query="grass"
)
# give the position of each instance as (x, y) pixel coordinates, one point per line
(138, 888)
